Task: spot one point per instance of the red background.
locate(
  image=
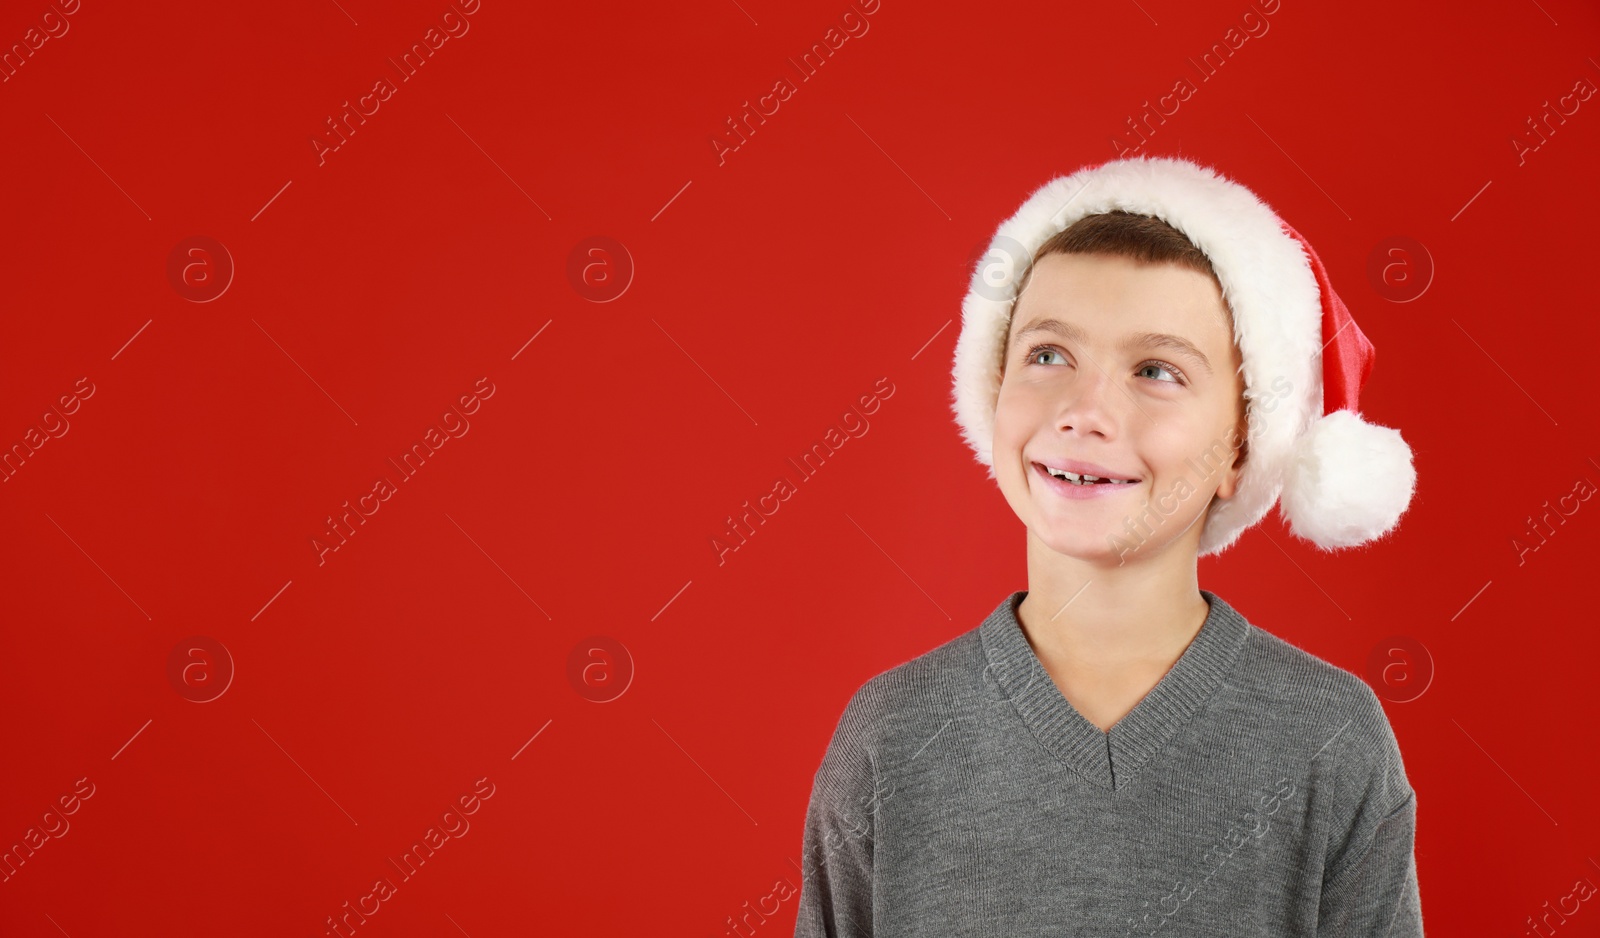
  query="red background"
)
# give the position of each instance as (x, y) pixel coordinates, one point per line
(770, 292)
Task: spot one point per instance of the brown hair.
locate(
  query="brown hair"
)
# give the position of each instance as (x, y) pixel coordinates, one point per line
(1144, 238)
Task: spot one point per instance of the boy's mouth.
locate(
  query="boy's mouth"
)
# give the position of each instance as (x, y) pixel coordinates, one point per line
(1080, 478)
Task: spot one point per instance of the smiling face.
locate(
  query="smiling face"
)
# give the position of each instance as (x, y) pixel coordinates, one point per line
(1130, 367)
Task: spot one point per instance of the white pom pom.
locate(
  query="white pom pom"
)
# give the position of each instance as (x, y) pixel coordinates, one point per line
(1347, 481)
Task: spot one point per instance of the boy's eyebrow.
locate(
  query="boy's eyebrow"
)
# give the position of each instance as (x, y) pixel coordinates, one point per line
(1136, 340)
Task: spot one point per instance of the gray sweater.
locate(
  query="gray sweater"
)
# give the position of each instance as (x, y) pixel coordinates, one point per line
(1257, 790)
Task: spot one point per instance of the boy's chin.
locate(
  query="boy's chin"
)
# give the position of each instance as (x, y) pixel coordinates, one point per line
(1089, 548)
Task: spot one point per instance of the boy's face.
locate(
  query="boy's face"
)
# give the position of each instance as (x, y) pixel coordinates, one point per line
(1095, 390)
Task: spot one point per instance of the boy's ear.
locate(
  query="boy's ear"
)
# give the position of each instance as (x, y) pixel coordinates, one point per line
(1230, 476)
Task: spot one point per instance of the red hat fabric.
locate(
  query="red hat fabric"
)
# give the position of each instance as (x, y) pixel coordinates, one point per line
(1347, 353)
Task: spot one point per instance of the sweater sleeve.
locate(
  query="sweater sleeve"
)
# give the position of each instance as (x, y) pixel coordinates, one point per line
(1369, 884)
(1375, 895)
(837, 850)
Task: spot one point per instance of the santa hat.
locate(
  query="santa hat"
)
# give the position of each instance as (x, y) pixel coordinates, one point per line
(1343, 481)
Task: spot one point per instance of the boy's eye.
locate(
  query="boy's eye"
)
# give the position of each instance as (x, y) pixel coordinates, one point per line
(1033, 353)
(1158, 366)
(1176, 375)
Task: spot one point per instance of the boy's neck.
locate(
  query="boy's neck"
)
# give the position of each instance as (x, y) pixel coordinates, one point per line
(1106, 621)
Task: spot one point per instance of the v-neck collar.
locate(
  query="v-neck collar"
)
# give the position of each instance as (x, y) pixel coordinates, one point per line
(1110, 759)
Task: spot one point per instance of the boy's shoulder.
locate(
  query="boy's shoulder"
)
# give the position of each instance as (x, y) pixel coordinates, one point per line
(928, 689)
(933, 674)
(1281, 669)
(1312, 688)
(1306, 693)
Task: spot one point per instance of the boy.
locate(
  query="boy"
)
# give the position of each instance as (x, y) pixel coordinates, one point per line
(1115, 751)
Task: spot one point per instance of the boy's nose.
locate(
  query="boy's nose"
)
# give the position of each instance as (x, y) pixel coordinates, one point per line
(1092, 404)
